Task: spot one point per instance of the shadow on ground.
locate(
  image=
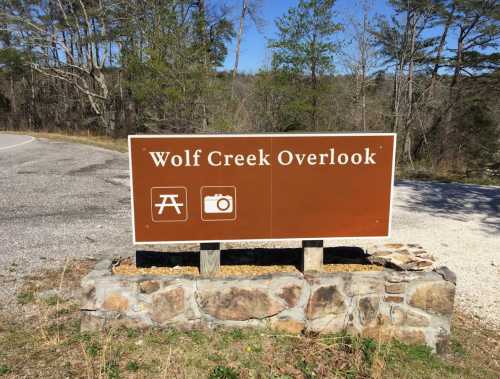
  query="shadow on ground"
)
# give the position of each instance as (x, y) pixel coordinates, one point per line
(257, 257)
(456, 201)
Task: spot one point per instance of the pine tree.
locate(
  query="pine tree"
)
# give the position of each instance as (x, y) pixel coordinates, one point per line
(305, 45)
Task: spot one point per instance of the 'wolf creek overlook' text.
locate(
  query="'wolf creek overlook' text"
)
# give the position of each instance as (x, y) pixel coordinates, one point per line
(215, 158)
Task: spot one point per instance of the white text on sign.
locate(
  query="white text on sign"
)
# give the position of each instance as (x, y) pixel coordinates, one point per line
(193, 158)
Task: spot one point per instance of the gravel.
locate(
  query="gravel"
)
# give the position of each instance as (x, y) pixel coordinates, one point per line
(62, 200)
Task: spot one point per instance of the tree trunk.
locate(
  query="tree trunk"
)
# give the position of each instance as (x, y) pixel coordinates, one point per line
(442, 42)
(364, 58)
(244, 9)
(409, 110)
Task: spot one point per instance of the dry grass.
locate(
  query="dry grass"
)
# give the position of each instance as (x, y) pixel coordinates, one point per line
(446, 176)
(44, 341)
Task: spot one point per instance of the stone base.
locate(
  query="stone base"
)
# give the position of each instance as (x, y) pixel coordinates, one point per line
(414, 307)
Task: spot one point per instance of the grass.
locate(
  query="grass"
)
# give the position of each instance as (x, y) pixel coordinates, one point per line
(43, 340)
(445, 176)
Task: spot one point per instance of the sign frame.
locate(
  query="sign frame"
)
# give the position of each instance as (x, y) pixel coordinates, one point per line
(261, 135)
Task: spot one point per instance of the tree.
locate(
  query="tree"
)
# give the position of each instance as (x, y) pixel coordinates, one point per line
(403, 44)
(474, 57)
(171, 69)
(362, 62)
(251, 9)
(305, 45)
(67, 39)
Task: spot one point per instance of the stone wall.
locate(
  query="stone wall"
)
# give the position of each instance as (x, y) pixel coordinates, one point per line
(414, 307)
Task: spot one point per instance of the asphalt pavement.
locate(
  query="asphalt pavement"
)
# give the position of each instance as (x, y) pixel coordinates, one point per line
(59, 200)
(10, 141)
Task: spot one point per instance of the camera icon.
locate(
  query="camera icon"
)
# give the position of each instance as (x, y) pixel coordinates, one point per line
(218, 203)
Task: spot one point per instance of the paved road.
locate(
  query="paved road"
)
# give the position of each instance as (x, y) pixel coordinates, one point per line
(10, 141)
(62, 200)
(59, 200)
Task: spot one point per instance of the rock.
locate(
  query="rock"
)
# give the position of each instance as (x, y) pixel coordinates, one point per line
(395, 288)
(288, 326)
(393, 299)
(368, 309)
(409, 257)
(88, 298)
(386, 333)
(168, 304)
(447, 274)
(325, 301)
(393, 245)
(398, 315)
(400, 261)
(442, 342)
(434, 297)
(328, 324)
(149, 286)
(414, 245)
(363, 286)
(115, 302)
(239, 304)
(417, 319)
(291, 295)
(403, 316)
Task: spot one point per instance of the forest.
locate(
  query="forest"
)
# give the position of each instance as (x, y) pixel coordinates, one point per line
(428, 71)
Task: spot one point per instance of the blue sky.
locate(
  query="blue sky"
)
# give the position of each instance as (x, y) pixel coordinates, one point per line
(253, 49)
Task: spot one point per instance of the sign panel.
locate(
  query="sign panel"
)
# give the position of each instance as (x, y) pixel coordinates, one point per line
(202, 188)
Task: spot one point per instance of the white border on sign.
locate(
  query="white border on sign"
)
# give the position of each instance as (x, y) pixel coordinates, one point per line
(221, 219)
(186, 205)
(239, 135)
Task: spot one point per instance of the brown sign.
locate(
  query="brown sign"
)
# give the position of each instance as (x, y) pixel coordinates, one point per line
(201, 188)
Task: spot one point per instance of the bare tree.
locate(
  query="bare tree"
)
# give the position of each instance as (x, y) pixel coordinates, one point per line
(252, 9)
(71, 47)
(362, 61)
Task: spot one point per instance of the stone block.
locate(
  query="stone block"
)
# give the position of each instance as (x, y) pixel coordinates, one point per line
(167, 304)
(388, 333)
(368, 308)
(291, 295)
(363, 284)
(447, 274)
(398, 315)
(411, 306)
(395, 288)
(408, 257)
(115, 302)
(393, 299)
(88, 298)
(288, 325)
(417, 319)
(403, 316)
(324, 301)
(149, 286)
(328, 324)
(434, 297)
(239, 303)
